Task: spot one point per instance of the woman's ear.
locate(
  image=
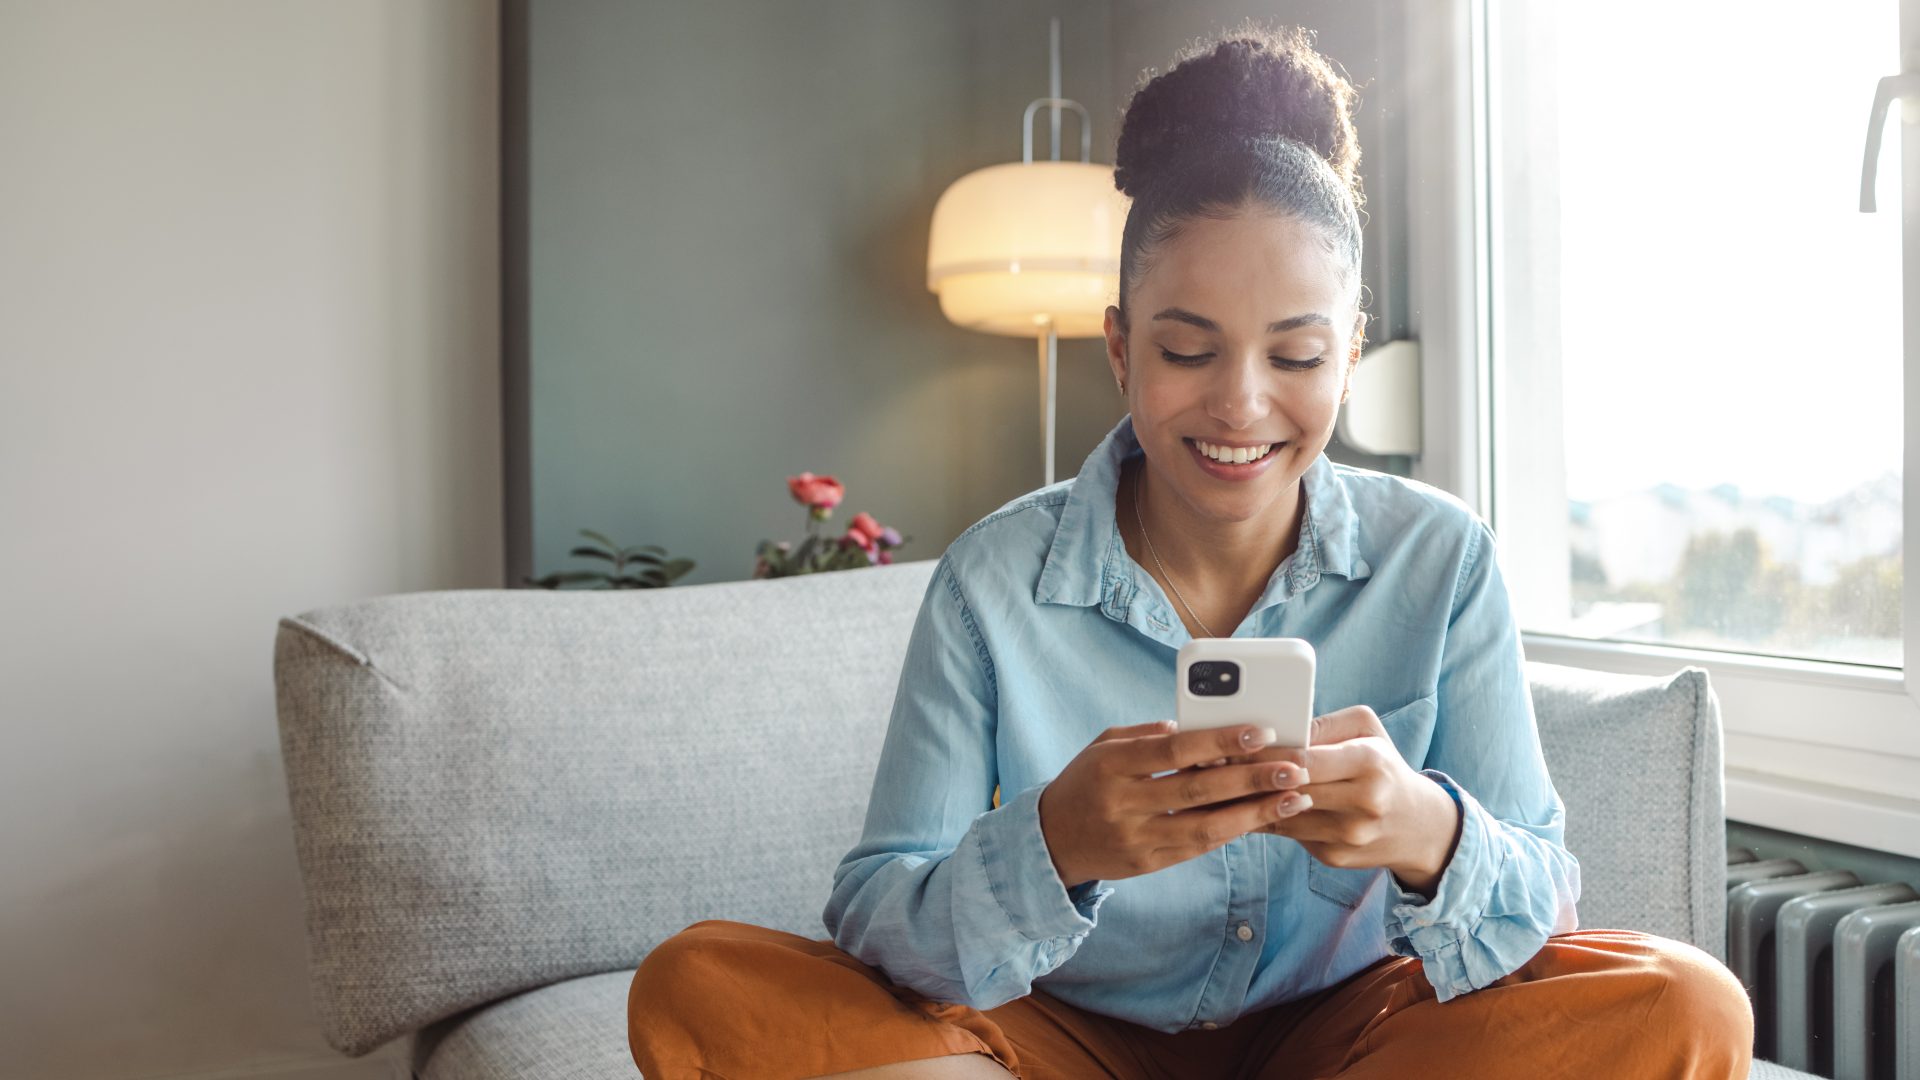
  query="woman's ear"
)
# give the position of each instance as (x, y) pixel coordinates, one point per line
(1115, 330)
(1353, 355)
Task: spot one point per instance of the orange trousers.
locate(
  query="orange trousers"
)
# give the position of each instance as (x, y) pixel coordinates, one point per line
(730, 1001)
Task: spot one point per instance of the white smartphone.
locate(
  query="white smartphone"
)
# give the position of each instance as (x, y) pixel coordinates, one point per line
(1265, 681)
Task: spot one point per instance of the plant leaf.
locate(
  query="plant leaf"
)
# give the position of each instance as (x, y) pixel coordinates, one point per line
(655, 548)
(677, 568)
(592, 553)
(600, 538)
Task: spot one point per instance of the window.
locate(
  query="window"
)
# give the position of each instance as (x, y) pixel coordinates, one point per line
(1724, 321)
(1663, 352)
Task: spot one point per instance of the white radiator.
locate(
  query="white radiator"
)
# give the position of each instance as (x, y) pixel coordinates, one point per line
(1832, 966)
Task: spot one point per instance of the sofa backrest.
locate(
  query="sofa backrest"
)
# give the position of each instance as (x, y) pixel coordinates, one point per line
(495, 790)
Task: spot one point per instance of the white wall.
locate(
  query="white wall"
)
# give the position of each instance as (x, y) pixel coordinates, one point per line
(248, 366)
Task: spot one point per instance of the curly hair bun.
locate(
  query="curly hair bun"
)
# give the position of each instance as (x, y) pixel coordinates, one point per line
(1251, 84)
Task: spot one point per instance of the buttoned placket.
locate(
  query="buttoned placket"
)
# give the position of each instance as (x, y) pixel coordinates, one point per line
(1244, 859)
(1227, 985)
(1131, 596)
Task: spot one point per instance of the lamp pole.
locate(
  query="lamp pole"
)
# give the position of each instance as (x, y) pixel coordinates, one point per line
(1049, 384)
(1049, 338)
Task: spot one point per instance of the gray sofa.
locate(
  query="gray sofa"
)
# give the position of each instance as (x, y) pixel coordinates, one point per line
(503, 799)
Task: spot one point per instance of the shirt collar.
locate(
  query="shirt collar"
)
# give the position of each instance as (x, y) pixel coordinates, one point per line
(1087, 563)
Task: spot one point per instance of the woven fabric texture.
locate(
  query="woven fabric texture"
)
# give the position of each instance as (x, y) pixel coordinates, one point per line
(1636, 759)
(495, 791)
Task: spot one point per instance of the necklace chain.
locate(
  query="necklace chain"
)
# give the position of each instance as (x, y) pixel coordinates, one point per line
(1156, 555)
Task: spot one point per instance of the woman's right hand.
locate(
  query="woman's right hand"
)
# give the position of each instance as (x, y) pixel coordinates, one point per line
(1106, 816)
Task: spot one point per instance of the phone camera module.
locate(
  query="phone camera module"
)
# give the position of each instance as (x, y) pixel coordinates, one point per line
(1216, 678)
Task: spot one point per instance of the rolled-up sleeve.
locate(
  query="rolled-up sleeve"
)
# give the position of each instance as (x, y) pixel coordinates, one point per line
(1511, 883)
(954, 900)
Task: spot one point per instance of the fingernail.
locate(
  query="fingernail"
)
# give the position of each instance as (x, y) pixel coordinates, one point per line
(1172, 725)
(1258, 737)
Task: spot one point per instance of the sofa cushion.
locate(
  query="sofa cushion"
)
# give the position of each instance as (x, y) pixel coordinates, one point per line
(575, 1030)
(1636, 760)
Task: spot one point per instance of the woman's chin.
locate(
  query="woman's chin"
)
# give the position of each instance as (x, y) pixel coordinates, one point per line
(1229, 503)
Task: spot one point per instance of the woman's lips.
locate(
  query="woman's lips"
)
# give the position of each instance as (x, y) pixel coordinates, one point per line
(1223, 471)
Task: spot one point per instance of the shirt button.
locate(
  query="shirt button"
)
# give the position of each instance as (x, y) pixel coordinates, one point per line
(1245, 933)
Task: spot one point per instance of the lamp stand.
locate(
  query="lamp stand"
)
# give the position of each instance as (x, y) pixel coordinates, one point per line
(1049, 386)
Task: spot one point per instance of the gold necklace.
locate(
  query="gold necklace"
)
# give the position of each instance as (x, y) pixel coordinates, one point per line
(1156, 555)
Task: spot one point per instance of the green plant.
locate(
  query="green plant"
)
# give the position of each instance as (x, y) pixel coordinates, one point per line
(644, 567)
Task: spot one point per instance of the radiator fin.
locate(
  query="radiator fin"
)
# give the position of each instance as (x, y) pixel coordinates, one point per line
(1803, 942)
(1832, 967)
(1752, 912)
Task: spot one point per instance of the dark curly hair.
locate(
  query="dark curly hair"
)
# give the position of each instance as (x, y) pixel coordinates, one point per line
(1256, 117)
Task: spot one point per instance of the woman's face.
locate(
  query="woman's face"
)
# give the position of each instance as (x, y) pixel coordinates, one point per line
(1241, 336)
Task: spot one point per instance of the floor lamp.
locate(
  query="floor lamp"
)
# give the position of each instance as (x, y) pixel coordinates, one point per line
(1032, 248)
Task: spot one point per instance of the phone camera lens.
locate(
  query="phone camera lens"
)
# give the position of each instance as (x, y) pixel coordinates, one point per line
(1213, 679)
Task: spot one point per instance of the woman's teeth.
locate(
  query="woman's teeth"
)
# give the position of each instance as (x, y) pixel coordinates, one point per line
(1227, 455)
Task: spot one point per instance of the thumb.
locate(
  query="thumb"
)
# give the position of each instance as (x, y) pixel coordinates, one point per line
(1135, 731)
(1352, 722)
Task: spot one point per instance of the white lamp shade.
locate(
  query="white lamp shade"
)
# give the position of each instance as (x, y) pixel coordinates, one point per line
(1014, 245)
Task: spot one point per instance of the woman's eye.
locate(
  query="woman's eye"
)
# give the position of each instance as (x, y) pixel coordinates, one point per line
(1197, 358)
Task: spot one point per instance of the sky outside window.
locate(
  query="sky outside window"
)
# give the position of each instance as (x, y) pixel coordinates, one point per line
(1731, 333)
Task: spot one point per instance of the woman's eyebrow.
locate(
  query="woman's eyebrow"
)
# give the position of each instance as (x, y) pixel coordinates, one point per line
(1194, 319)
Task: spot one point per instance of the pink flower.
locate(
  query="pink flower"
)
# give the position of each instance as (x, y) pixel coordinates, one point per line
(863, 523)
(886, 558)
(889, 538)
(816, 492)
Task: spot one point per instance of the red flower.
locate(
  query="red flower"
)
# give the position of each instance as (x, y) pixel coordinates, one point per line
(816, 492)
(864, 533)
(868, 528)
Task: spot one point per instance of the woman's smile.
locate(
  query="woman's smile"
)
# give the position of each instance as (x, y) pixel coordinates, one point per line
(1225, 462)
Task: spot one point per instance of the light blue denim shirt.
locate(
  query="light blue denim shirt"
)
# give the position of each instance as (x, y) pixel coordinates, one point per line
(1039, 631)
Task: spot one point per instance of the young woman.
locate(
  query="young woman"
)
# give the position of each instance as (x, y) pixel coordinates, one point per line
(1393, 901)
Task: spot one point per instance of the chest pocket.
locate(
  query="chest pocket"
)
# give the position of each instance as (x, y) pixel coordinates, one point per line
(1411, 728)
(1345, 886)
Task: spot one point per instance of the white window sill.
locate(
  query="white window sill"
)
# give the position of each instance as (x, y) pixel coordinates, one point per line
(1824, 750)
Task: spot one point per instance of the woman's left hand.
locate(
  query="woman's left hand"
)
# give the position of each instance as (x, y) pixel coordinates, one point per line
(1368, 808)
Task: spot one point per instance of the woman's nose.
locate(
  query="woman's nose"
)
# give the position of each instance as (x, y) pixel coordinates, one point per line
(1238, 398)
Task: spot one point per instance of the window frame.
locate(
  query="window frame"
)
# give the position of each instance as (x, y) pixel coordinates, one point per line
(1819, 748)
